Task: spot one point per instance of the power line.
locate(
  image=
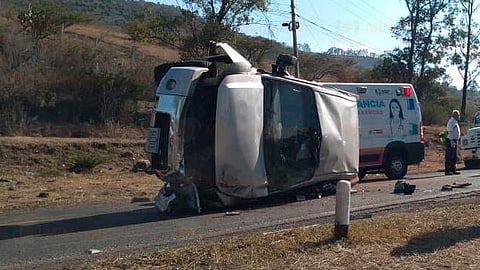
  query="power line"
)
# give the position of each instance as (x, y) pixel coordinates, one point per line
(339, 3)
(314, 36)
(375, 10)
(368, 10)
(343, 38)
(329, 35)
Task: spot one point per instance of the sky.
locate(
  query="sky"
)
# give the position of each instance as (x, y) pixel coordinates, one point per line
(355, 24)
(346, 24)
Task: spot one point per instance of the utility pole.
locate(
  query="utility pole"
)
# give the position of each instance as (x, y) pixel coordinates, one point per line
(294, 34)
(293, 26)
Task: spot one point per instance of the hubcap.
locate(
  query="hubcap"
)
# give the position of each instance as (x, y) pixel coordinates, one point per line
(396, 165)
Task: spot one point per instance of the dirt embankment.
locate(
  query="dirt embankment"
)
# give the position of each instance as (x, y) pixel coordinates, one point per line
(40, 171)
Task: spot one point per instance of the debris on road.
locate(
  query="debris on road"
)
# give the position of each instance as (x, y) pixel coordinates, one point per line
(449, 187)
(232, 213)
(94, 251)
(455, 185)
(401, 186)
(141, 165)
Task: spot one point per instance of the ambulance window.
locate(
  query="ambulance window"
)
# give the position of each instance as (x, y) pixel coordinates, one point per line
(291, 133)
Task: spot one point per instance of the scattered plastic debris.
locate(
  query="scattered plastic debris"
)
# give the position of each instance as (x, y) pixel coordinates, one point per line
(141, 165)
(94, 251)
(401, 186)
(455, 185)
(449, 187)
(232, 213)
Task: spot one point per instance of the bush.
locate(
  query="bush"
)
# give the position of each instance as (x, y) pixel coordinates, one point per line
(434, 114)
(84, 163)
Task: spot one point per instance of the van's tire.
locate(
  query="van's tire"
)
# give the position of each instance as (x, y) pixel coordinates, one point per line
(395, 166)
(361, 174)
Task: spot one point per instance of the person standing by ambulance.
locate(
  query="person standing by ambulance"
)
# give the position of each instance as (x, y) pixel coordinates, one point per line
(451, 144)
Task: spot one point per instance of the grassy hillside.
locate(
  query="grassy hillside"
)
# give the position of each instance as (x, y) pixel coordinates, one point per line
(114, 36)
(112, 12)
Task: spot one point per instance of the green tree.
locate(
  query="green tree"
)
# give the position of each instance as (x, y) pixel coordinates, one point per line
(14, 54)
(93, 84)
(42, 19)
(393, 67)
(422, 31)
(219, 19)
(316, 67)
(465, 43)
(153, 25)
(232, 13)
(254, 49)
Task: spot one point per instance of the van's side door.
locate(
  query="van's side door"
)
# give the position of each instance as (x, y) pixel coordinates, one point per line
(291, 133)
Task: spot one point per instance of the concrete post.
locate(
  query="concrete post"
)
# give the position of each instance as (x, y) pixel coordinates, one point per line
(342, 209)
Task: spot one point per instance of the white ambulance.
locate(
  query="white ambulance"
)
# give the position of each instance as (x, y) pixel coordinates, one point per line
(391, 132)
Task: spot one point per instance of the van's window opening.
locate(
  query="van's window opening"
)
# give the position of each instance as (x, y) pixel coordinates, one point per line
(292, 133)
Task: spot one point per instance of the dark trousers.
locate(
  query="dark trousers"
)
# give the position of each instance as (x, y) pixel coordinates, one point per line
(450, 156)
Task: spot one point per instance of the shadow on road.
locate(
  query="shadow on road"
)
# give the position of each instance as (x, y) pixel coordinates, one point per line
(408, 178)
(119, 219)
(434, 241)
(88, 223)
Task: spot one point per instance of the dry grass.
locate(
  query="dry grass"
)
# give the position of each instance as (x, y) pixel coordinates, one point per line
(430, 239)
(34, 165)
(114, 36)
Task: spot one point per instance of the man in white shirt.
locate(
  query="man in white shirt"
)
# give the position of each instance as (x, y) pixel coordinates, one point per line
(451, 144)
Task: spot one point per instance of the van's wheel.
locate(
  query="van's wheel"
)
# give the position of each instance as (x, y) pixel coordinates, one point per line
(361, 174)
(395, 166)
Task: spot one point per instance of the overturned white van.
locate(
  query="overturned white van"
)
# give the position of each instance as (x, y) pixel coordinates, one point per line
(391, 131)
(244, 134)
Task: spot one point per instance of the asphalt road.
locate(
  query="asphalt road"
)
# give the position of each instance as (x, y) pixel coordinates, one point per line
(51, 237)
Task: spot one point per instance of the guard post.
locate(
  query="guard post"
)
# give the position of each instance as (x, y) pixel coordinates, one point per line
(342, 209)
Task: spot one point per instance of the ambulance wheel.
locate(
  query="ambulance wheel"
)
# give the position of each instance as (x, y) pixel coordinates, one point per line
(395, 166)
